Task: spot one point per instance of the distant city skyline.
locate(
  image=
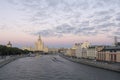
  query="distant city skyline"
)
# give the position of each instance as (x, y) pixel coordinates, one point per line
(61, 23)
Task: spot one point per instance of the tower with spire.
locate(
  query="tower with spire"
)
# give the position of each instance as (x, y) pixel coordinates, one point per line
(9, 44)
(39, 46)
(39, 37)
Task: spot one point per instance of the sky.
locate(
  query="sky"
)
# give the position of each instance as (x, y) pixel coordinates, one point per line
(61, 23)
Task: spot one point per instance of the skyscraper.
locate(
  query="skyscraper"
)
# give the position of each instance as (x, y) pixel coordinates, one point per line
(39, 46)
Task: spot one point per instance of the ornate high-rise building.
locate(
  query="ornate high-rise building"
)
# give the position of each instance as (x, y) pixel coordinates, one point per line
(39, 45)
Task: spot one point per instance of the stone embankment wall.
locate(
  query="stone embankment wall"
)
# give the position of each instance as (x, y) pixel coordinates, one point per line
(112, 67)
(8, 60)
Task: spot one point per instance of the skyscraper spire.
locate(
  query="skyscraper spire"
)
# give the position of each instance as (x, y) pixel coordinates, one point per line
(39, 37)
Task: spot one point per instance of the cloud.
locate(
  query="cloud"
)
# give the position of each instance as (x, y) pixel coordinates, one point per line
(57, 31)
(4, 27)
(85, 31)
(84, 23)
(118, 18)
(118, 13)
(106, 3)
(106, 25)
(60, 30)
(64, 28)
(117, 33)
(46, 33)
(104, 12)
(59, 17)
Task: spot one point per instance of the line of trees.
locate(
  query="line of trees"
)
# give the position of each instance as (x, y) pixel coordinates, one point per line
(4, 51)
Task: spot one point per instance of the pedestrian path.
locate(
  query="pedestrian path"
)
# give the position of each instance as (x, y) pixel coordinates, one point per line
(103, 65)
(7, 59)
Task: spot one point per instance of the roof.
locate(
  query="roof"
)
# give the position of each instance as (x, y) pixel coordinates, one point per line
(91, 47)
(9, 43)
(117, 44)
(116, 48)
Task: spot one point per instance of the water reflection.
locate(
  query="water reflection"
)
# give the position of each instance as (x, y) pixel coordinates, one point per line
(52, 67)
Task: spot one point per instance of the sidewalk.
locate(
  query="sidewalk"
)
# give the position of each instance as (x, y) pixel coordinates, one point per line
(7, 59)
(3, 58)
(112, 66)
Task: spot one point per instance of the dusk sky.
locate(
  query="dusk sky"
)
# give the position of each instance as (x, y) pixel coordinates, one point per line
(61, 23)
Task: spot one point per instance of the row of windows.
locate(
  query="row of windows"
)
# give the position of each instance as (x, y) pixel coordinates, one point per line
(101, 56)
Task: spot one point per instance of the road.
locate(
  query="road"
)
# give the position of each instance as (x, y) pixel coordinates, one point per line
(53, 67)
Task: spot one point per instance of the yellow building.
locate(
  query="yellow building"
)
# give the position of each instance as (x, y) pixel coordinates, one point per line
(39, 46)
(28, 48)
(53, 50)
(76, 45)
(70, 52)
(45, 49)
(85, 44)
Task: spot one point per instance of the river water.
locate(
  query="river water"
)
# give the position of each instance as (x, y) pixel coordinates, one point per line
(53, 67)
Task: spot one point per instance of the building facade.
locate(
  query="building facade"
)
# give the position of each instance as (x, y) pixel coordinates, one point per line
(109, 54)
(39, 46)
(91, 52)
(78, 52)
(53, 50)
(76, 45)
(81, 51)
(70, 52)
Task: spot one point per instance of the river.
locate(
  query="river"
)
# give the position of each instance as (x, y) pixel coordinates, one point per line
(53, 67)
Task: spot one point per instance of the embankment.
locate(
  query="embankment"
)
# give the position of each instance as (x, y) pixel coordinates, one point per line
(6, 61)
(102, 65)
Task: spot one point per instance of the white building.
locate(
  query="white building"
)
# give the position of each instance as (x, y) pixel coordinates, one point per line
(85, 44)
(78, 52)
(70, 52)
(76, 45)
(91, 52)
(81, 51)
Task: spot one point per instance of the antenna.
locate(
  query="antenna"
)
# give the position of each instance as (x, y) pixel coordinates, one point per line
(115, 40)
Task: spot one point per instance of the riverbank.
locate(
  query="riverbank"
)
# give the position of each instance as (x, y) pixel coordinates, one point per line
(9, 59)
(102, 65)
